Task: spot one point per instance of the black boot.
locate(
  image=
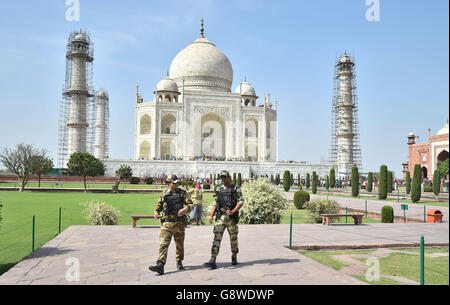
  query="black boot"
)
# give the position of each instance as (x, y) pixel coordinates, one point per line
(159, 268)
(180, 265)
(211, 265)
(234, 261)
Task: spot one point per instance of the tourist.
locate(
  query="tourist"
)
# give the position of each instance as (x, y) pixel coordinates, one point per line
(197, 197)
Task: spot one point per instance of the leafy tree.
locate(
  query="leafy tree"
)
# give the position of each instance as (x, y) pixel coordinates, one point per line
(85, 165)
(314, 183)
(355, 181)
(382, 185)
(308, 181)
(443, 168)
(41, 165)
(436, 183)
(370, 182)
(389, 182)
(124, 172)
(287, 181)
(20, 161)
(416, 184)
(239, 180)
(264, 203)
(332, 178)
(408, 182)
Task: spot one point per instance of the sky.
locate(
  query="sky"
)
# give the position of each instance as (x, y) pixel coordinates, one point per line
(285, 47)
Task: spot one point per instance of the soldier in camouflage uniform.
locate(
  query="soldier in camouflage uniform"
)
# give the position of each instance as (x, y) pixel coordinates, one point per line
(174, 204)
(229, 200)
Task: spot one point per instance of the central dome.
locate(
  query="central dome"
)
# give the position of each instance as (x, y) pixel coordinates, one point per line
(202, 65)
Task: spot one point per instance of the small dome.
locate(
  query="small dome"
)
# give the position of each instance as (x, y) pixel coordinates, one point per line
(102, 94)
(345, 59)
(167, 84)
(444, 130)
(81, 37)
(411, 134)
(245, 88)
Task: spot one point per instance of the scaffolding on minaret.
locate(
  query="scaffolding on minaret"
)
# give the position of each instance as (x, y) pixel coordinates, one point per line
(334, 149)
(71, 87)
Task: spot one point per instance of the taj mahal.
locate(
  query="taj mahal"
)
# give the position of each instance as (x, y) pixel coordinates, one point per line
(196, 125)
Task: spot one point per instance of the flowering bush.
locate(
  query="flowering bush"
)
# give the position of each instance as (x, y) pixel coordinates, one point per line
(100, 214)
(264, 203)
(318, 207)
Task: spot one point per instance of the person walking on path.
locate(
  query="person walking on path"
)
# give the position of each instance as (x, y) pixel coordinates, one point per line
(197, 198)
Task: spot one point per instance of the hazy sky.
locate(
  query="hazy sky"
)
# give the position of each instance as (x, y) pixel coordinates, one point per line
(285, 47)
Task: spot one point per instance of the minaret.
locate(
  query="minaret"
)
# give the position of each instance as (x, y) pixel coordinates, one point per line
(101, 125)
(79, 55)
(345, 150)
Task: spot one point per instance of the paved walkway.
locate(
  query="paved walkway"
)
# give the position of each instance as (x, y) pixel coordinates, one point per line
(414, 210)
(121, 254)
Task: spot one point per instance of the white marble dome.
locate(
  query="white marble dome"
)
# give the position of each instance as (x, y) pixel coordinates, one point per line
(245, 88)
(202, 64)
(444, 130)
(102, 94)
(167, 84)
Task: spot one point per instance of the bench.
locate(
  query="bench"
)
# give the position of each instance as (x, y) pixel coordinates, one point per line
(328, 218)
(137, 217)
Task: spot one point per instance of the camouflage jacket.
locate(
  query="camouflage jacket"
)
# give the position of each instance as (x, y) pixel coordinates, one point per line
(187, 202)
(239, 197)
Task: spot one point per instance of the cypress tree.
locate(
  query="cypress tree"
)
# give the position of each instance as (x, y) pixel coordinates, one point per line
(314, 183)
(370, 182)
(382, 185)
(436, 183)
(277, 179)
(332, 178)
(239, 180)
(271, 179)
(389, 182)
(355, 181)
(308, 181)
(416, 184)
(328, 183)
(234, 178)
(292, 179)
(408, 182)
(287, 181)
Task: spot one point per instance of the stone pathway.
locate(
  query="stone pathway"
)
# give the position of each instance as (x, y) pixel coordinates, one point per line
(121, 255)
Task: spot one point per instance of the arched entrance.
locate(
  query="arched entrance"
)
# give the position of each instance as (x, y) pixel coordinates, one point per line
(144, 151)
(443, 155)
(424, 172)
(210, 136)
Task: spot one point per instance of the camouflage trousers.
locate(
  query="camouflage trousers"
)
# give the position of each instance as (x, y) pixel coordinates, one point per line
(225, 223)
(169, 229)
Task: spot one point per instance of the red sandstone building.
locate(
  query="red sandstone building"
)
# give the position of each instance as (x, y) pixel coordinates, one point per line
(427, 154)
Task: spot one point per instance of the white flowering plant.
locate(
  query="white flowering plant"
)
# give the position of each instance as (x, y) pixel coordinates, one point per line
(263, 203)
(100, 214)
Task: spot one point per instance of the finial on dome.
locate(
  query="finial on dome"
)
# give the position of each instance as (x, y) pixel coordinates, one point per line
(245, 78)
(202, 30)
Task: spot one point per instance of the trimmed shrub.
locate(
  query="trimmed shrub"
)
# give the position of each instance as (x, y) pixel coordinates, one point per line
(382, 185)
(264, 203)
(428, 189)
(292, 179)
(134, 180)
(332, 178)
(314, 183)
(355, 181)
(327, 185)
(436, 183)
(387, 214)
(206, 186)
(308, 181)
(408, 182)
(234, 178)
(277, 179)
(370, 182)
(149, 180)
(300, 198)
(100, 214)
(416, 184)
(287, 181)
(320, 206)
(389, 182)
(239, 180)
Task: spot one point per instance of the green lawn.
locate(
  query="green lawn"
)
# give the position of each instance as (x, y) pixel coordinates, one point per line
(396, 264)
